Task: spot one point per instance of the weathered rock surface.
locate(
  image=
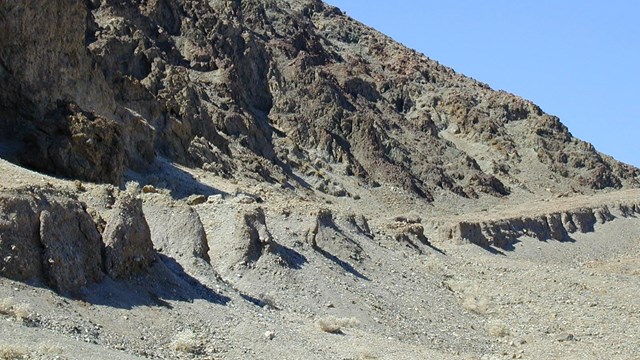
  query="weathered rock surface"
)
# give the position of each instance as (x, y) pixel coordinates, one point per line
(72, 246)
(321, 118)
(177, 232)
(76, 144)
(20, 246)
(330, 239)
(412, 235)
(254, 236)
(52, 239)
(128, 248)
(265, 89)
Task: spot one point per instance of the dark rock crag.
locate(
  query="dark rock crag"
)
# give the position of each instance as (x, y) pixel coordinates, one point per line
(265, 88)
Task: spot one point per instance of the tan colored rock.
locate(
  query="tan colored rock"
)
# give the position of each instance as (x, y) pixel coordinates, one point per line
(149, 189)
(194, 200)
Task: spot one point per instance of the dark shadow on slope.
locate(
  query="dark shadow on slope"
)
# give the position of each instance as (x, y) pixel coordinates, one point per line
(436, 249)
(288, 171)
(331, 224)
(294, 259)
(164, 282)
(428, 244)
(263, 303)
(421, 240)
(201, 290)
(510, 245)
(169, 176)
(343, 264)
(494, 251)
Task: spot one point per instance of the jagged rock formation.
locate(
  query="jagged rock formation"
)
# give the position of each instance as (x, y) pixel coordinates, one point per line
(254, 236)
(266, 89)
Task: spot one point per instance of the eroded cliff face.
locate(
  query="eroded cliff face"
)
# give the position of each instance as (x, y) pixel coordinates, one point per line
(268, 89)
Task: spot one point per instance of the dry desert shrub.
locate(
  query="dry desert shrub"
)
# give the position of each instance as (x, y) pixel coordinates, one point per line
(50, 348)
(497, 329)
(476, 303)
(367, 355)
(334, 325)
(185, 341)
(6, 306)
(20, 311)
(475, 300)
(8, 352)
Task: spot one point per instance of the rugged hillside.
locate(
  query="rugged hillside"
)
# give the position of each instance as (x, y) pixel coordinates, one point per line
(268, 89)
(272, 179)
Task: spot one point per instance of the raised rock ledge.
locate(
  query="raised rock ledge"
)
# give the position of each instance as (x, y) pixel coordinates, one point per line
(503, 232)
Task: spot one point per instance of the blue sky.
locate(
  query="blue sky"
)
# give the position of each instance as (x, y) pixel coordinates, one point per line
(578, 60)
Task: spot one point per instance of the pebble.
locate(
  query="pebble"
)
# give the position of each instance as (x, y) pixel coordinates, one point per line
(196, 200)
(149, 189)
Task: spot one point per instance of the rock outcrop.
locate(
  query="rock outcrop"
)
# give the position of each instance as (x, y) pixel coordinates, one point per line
(20, 246)
(326, 237)
(53, 239)
(254, 236)
(177, 232)
(504, 232)
(411, 234)
(72, 246)
(76, 144)
(128, 248)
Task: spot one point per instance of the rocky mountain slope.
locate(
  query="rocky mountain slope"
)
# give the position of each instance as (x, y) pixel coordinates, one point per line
(268, 89)
(260, 179)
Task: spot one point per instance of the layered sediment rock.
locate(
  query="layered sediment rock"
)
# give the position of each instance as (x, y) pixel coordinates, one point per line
(559, 226)
(254, 236)
(128, 248)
